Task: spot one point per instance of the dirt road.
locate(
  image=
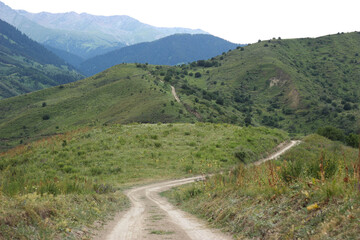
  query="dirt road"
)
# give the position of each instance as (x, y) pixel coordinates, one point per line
(281, 149)
(173, 91)
(152, 217)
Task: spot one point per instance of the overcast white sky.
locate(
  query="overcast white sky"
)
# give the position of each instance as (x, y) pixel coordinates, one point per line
(238, 21)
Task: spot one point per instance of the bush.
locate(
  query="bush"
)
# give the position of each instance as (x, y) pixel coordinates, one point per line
(352, 140)
(347, 106)
(188, 168)
(167, 78)
(197, 75)
(220, 101)
(331, 133)
(68, 169)
(46, 117)
(157, 144)
(291, 171)
(243, 155)
(102, 189)
(154, 137)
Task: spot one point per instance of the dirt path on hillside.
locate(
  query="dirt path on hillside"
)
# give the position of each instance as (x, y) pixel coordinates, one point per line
(153, 217)
(282, 148)
(173, 91)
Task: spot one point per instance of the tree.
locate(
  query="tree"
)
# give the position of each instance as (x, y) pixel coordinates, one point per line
(353, 140)
(197, 75)
(331, 133)
(247, 120)
(220, 101)
(347, 106)
(167, 78)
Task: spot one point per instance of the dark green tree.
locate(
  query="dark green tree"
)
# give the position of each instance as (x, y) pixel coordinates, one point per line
(331, 133)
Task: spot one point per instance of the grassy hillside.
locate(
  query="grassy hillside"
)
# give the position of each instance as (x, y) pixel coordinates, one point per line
(298, 85)
(27, 66)
(123, 94)
(312, 192)
(172, 50)
(59, 186)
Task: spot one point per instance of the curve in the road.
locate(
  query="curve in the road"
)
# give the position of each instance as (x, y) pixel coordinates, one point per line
(153, 217)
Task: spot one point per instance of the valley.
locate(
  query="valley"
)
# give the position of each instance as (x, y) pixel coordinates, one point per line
(27, 66)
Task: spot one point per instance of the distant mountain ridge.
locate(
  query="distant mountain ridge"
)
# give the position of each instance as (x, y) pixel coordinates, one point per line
(26, 65)
(83, 34)
(171, 50)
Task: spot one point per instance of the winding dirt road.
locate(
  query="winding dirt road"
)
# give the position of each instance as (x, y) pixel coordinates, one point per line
(153, 217)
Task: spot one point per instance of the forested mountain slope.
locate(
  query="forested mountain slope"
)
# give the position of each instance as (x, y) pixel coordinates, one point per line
(172, 50)
(27, 66)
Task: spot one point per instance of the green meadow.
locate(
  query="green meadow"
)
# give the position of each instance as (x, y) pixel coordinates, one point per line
(63, 185)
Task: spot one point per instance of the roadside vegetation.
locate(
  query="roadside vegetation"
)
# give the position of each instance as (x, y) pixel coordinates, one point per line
(63, 185)
(311, 192)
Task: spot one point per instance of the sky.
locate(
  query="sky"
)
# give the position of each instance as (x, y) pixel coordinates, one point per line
(238, 21)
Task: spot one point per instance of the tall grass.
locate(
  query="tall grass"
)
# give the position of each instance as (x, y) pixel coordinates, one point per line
(304, 191)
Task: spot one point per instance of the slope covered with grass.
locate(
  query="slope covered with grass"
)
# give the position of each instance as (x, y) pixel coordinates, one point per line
(125, 93)
(298, 85)
(60, 186)
(312, 192)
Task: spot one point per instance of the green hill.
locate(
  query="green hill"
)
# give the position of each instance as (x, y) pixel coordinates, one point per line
(27, 66)
(123, 94)
(298, 85)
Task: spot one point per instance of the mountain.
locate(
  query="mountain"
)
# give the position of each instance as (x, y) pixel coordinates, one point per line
(172, 50)
(70, 58)
(27, 66)
(298, 85)
(83, 34)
